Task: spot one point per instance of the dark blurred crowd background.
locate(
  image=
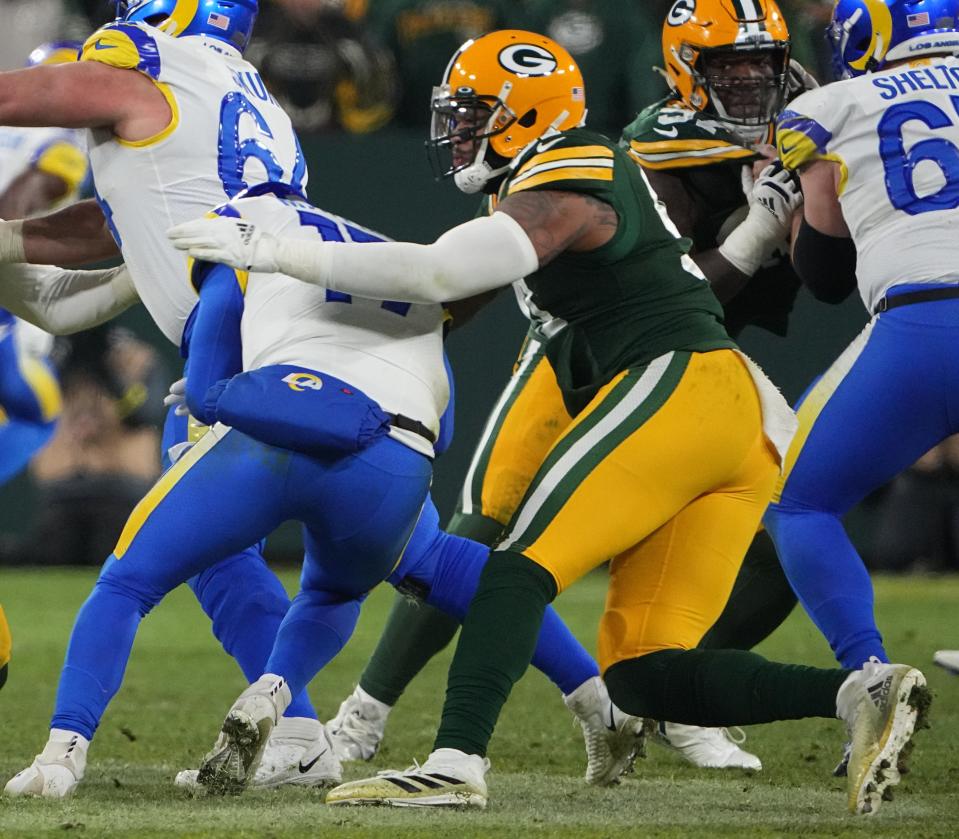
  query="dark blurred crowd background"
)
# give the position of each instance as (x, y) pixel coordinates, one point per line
(344, 68)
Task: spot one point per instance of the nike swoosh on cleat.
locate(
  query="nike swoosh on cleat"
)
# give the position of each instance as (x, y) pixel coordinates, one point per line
(309, 766)
(611, 725)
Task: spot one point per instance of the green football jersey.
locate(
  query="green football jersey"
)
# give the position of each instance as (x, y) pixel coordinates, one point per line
(637, 297)
(708, 160)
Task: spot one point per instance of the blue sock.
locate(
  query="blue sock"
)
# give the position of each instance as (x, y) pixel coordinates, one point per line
(315, 629)
(93, 669)
(458, 564)
(829, 579)
(247, 602)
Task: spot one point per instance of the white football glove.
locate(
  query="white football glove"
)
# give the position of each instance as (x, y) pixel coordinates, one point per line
(177, 396)
(232, 241)
(774, 198)
(777, 190)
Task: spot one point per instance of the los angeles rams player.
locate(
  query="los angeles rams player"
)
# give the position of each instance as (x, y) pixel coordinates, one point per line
(668, 464)
(333, 421)
(178, 121)
(727, 67)
(878, 154)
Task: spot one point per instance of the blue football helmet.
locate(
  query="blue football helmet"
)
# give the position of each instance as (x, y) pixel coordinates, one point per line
(55, 52)
(230, 21)
(865, 35)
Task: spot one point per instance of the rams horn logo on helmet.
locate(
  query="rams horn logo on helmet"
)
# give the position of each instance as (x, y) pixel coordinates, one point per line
(681, 11)
(528, 60)
(303, 381)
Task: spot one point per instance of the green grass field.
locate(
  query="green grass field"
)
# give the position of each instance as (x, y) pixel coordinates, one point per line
(179, 684)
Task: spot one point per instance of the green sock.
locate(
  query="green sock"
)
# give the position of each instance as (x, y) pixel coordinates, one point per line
(721, 687)
(413, 634)
(474, 526)
(760, 601)
(494, 650)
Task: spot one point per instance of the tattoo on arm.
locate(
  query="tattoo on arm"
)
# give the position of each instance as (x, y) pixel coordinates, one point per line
(558, 221)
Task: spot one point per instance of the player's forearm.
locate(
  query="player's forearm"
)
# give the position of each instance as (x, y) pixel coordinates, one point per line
(725, 279)
(75, 235)
(475, 257)
(63, 301)
(215, 349)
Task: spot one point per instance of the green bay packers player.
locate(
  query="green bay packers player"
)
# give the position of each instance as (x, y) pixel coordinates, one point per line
(698, 148)
(674, 447)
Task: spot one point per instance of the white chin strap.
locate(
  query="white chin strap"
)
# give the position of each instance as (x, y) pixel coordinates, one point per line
(474, 177)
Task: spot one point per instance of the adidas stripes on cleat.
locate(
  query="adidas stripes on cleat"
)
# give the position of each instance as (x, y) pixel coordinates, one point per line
(882, 705)
(449, 778)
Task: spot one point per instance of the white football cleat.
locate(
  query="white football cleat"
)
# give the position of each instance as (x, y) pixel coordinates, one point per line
(357, 729)
(708, 748)
(449, 778)
(56, 771)
(298, 754)
(229, 766)
(948, 660)
(613, 739)
(882, 706)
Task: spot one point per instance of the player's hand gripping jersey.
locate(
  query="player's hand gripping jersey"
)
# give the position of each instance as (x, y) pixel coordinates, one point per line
(640, 303)
(226, 133)
(709, 161)
(899, 186)
(393, 352)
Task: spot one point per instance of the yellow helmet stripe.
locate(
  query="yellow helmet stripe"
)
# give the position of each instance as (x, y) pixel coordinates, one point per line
(881, 19)
(181, 17)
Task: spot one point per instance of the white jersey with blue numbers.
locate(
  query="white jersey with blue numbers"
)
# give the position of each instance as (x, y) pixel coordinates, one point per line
(226, 133)
(391, 351)
(56, 151)
(895, 136)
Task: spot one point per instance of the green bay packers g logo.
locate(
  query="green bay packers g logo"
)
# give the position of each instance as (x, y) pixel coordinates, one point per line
(528, 60)
(303, 381)
(681, 11)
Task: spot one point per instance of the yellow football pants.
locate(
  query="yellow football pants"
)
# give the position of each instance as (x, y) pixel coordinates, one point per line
(668, 471)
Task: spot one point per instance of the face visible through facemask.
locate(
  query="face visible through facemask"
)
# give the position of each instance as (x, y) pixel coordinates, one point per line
(745, 87)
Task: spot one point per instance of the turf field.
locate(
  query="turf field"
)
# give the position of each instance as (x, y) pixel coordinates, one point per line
(179, 685)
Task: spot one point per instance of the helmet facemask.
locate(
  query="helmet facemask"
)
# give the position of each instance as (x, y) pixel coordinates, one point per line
(460, 130)
(744, 85)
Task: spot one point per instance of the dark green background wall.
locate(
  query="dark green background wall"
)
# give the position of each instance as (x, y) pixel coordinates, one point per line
(383, 181)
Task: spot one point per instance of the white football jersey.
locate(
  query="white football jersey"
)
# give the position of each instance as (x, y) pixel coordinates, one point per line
(895, 136)
(227, 133)
(393, 352)
(57, 151)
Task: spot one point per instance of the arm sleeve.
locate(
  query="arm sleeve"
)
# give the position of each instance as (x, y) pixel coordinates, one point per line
(825, 264)
(480, 255)
(215, 348)
(62, 301)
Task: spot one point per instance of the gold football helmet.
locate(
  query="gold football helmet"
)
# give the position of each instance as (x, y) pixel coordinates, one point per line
(729, 59)
(500, 93)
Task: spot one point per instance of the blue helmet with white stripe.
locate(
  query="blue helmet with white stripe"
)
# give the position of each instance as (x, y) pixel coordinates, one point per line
(865, 35)
(230, 21)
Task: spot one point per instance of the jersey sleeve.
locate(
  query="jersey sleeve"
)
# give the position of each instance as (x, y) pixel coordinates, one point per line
(124, 45)
(802, 135)
(667, 136)
(565, 163)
